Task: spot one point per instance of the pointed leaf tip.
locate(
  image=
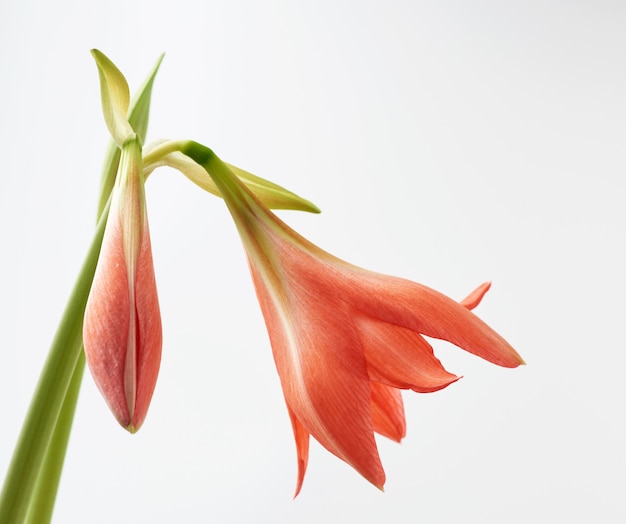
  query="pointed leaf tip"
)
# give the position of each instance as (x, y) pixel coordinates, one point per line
(140, 106)
(115, 97)
(273, 195)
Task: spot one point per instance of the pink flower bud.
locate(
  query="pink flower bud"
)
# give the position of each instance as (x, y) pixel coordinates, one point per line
(122, 329)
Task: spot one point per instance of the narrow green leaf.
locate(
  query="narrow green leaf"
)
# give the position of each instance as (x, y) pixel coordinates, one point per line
(140, 105)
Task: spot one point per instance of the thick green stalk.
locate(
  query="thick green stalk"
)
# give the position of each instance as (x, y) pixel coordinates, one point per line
(52, 389)
(45, 493)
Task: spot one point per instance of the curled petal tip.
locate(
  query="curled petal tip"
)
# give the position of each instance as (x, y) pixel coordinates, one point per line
(475, 297)
(302, 464)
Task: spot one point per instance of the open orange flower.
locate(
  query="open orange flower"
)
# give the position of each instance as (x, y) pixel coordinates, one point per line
(122, 329)
(346, 340)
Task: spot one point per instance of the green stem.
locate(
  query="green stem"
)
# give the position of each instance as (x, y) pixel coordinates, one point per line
(45, 491)
(44, 495)
(47, 403)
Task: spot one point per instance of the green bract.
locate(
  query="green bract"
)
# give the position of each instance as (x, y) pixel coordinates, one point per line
(115, 98)
(272, 195)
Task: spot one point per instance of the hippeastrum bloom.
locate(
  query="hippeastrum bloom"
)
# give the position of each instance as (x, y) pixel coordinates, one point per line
(346, 340)
(122, 329)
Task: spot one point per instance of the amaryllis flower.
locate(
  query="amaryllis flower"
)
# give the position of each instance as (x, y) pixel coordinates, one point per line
(122, 329)
(346, 340)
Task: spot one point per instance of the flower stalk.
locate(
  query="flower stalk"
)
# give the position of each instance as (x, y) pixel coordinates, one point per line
(50, 394)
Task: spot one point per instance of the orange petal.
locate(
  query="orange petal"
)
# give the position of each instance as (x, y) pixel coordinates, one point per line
(301, 436)
(401, 358)
(323, 373)
(397, 300)
(426, 311)
(474, 298)
(388, 411)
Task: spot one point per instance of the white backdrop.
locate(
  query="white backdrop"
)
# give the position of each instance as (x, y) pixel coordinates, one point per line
(446, 142)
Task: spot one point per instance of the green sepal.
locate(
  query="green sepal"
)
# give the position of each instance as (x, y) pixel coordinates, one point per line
(270, 194)
(115, 97)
